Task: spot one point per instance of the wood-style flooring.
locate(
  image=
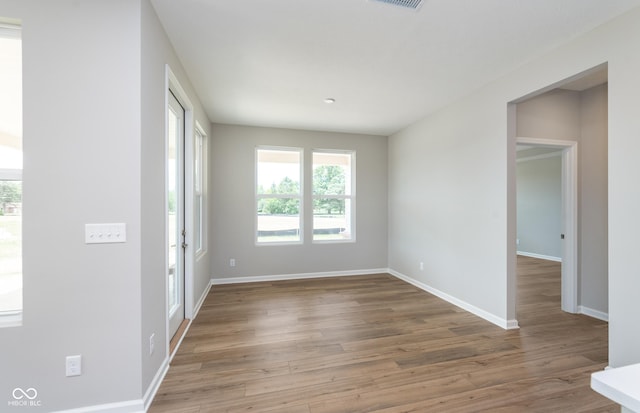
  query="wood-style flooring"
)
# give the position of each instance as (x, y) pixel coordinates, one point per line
(377, 344)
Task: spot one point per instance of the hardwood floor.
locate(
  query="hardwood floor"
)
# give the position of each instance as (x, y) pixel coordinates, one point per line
(377, 344)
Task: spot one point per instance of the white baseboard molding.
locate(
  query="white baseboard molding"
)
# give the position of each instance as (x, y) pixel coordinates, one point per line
(162, 371)
(600, 315)
(131, 406)
(196, 310)
(155, 384)
(500, 322)
(203, 297)
(540, 256)
(303, 276)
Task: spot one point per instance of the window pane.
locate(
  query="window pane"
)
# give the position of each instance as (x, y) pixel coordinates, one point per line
(199, 190)
(278, 172)
(279, 195)
(10, 246)
(197, 163)
(198, 222)
(331, 219)
(10, 170)
(333, 196)
(278, 219)
(331, 173)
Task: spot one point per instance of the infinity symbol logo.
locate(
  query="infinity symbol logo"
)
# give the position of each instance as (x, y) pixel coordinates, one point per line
(30, 393)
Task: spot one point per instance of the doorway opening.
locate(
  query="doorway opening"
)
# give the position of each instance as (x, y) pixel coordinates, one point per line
(568, 119)
(568, 226)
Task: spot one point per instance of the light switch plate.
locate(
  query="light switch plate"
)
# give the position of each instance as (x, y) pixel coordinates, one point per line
(105, 233)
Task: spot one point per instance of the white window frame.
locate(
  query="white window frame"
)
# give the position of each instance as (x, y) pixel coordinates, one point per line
(200, 189)
(299, 196)
(11, 318)
(351, 197)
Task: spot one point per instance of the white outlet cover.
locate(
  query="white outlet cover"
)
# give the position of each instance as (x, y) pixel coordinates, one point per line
(74, 366)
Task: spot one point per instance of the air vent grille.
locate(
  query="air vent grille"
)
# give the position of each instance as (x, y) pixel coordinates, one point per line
(411, 4)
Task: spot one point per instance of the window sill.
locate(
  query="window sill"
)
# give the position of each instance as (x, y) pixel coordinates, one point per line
(13, 319)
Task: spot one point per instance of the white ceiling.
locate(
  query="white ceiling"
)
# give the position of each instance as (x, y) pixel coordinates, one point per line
(273, 62)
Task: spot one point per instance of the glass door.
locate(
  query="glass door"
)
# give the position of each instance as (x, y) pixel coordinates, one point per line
(175, 213)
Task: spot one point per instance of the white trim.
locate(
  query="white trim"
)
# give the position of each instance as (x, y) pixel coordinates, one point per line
(173, 84)
(12, 319)
(11, 28)
(302, 276)
(201, 300)
(500, 322)
(153, 388)
(569, 217)
(540, 256)
(164, 369)
(11, 174)
(131, 406)
(541, 156)
(203, 193)
(600, 315)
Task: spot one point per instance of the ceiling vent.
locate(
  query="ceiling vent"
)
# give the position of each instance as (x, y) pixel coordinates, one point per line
(411, 4)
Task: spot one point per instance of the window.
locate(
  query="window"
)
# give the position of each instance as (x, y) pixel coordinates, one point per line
(200, 173)
(278, 195)
(333, 196)
(10, 174)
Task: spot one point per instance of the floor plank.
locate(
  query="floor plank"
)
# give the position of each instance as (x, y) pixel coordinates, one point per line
(377, 344)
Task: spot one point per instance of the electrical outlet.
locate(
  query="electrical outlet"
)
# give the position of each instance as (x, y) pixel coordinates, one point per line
(74, 365)
(421, 265)
(232, 262)
(152, 343)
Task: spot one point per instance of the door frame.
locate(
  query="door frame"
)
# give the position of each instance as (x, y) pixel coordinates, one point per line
(172, 83)
(569, 289)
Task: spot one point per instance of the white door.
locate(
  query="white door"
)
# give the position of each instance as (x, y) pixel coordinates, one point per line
(175, 213)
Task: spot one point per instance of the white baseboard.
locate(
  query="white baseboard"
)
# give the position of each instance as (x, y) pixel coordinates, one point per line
(540, 256)
(162, 371)
(600, 315)
(500, 322)
(132, 406)
(303, 276)
(155, 384)
(196, 310)
(203, 297)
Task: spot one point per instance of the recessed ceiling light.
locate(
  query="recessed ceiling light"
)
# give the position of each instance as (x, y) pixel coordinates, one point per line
(329, 100)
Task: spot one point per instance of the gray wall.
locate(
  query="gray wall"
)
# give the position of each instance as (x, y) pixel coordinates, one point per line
(82, 165)
(580, 117)
(450, 176)
(594, 244)
(452, 184)
(156, 53)
(233, 211)
(94, 152)
(540, 206)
